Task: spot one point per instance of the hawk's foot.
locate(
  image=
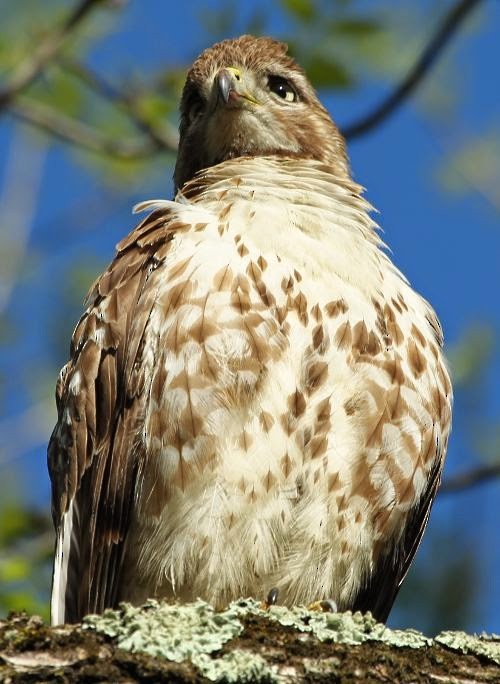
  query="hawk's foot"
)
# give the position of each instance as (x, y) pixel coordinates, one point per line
(324, 606)
(271, 599)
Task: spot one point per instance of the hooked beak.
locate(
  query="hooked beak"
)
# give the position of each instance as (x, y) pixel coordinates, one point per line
(230, 87)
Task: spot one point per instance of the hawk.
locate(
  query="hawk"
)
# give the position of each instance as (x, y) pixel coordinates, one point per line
(255, 397)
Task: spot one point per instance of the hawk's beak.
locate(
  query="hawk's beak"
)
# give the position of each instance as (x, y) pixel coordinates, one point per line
(230, 86)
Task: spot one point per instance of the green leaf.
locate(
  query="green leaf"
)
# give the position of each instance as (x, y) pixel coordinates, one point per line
(153, 106)
(14, 569)
(300, 9)
(172, 81)
(23, 601)
(25, 555)
(60, 90)
(475, 167)
(355, 28)
(326, 72)
(17, 522)
(471, 355)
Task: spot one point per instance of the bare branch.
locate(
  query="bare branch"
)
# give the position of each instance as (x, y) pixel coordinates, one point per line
(80, 134)
(470, 478)
(445, 31)
(31, 67)
(165, 136)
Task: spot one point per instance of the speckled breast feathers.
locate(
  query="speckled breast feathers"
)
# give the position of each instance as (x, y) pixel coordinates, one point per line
(256, 398)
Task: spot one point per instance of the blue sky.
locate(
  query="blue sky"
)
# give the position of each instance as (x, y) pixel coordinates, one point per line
(447, 244)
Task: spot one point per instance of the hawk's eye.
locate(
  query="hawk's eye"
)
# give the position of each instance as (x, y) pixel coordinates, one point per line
(283, 88)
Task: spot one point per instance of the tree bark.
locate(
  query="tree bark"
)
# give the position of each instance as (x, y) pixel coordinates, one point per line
(264, 650)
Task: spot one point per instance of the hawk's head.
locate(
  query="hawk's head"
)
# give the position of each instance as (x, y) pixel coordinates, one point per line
(247, 97)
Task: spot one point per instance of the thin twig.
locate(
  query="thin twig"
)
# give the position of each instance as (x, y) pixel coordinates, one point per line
(80, 134)
(84, 136)
(165, 136)
(470, 478)
(31, 67)
(432, 51)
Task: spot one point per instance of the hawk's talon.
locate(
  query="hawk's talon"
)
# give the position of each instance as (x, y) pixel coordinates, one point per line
(323, 606)
(271, 599)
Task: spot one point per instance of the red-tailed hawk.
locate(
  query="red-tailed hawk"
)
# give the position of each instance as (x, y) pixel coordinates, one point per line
(256, 397)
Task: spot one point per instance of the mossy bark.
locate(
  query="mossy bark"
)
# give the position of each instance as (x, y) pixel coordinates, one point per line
(30, 651)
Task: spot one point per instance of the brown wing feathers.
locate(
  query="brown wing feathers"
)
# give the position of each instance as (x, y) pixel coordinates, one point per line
(100, 401)
(382, 587)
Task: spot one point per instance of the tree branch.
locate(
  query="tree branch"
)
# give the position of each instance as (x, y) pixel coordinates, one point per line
(132, 644)
(470, 478)
(447, 28)
(80, 134)
(31, 67)
(165, 136)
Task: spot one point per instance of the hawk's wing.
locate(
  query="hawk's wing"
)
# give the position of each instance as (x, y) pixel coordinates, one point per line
(381, 588)
(380, 591)
(94, 451)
